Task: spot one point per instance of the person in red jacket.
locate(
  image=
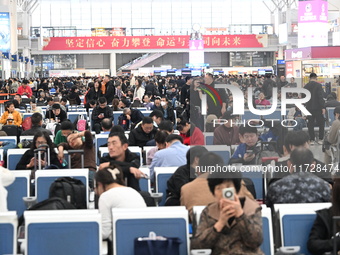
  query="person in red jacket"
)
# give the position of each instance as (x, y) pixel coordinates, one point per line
(191, 134)
(25, 90)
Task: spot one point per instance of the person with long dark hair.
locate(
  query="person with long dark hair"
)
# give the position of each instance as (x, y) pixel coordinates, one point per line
(28, 160)
(112, 192)
(321, 237)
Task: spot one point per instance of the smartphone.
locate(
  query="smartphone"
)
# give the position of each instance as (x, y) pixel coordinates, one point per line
(250, 152)
(229, 193)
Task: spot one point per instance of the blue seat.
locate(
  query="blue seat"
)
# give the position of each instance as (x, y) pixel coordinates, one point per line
(75, 232)
(100, 139)
(146, 113)
(162, 175)
(254, 174)
(275, 115)
(116, 114)
(8, 232)
(221, 150)
(17, 190)
(249, 115)
(267, 245)
(296, 229)
(209, 138)
(44, 179)
(72, 116)
(296, 221)
(9, 139)
(144, 183)
(331, 117)
(129, 224)
(26, 114)
(13, 157)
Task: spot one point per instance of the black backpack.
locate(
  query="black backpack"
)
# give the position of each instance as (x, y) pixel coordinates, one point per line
(70, 189)
(54, 203)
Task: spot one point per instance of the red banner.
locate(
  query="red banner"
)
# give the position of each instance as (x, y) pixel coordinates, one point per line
(152, 42)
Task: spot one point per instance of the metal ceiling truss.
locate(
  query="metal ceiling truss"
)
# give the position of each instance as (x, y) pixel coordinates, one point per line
(27, 5)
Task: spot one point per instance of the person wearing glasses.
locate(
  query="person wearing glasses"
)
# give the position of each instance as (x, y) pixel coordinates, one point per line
(28, 160)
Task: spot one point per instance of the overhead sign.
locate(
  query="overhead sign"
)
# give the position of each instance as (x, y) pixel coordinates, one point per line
(152, 42)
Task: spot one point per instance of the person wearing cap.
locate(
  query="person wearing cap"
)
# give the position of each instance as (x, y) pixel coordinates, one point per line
(316, 107)
(227, 133)
(25, 90)
(56, 113)
(332, 137)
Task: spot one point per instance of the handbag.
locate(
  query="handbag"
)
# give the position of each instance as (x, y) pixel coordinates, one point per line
(157, 245)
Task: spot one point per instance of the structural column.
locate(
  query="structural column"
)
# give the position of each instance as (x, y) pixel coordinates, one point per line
(113, 64)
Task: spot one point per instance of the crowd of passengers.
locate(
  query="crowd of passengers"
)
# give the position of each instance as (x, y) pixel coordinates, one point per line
(175, 129)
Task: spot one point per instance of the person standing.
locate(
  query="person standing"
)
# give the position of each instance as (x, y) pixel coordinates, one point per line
(316, 107)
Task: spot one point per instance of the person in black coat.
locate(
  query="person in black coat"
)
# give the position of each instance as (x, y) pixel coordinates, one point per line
(73, 96)
(120, 155)
(321, 236)
(316, 106)
(94, 92)
(56, 112)
(110, 89)
(28, 160)
(99, 113)
(183, 175)
(143, 133)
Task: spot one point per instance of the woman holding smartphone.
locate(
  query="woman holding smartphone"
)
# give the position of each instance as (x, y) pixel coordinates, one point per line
(28, 160)
(232, 224)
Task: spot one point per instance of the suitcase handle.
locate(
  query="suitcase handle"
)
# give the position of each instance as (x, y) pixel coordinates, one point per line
(75, 151)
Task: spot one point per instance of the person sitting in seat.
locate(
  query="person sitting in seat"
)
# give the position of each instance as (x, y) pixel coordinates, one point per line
(321, 236)
(300, 186)
(246, 152)
(75, 141)
(28, 160)
(119, 154)
(229, 225)
(11, 116)
(37, 122)
(112, 192)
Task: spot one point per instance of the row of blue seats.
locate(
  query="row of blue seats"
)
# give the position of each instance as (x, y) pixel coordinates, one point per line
(81, 229)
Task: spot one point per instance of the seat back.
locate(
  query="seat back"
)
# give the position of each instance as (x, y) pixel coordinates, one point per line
(128, 224)
(209, 138)
(116, 114)
(296, 224)
(63, 232)
(44, 179)
(13, 157)
(72, 116)
(144, 183)
(8, 232)
(17, 190)
(267, 229)
(163, 174)
(100, 139)
(221, 150)
(9, 139)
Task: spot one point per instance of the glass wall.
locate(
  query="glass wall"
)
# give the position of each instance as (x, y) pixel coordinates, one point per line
(159, 17)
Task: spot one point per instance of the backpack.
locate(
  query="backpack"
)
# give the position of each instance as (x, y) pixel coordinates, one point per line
(81, 123)
(71, 190)
(27, 123)
(54, 203)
